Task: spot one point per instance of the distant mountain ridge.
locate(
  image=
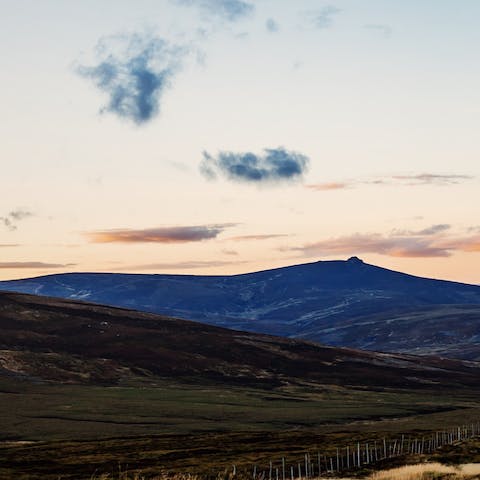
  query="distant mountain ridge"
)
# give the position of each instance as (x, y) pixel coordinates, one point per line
(341, 303)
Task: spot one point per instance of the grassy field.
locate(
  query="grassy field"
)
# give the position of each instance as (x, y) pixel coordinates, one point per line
(77, 430)
(56, 412)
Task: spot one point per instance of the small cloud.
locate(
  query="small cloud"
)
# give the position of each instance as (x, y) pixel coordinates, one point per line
(9, 245)
(20, 214)
(229, 252)
(329, 186)
(324, 18)
(275, 165)
(297, 65)
(384, 30)
(431, 179)
(11, 219)
(186, 234)
(242, 238)
(14, 265)
(434, 229)
(272, 26)
(134, 71)
(231, 10)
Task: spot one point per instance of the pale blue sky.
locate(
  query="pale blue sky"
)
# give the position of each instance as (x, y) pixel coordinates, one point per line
(374, 93)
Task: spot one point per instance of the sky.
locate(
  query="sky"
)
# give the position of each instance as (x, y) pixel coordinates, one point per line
(228, 136)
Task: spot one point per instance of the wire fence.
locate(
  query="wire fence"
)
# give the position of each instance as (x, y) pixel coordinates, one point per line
(358, 455)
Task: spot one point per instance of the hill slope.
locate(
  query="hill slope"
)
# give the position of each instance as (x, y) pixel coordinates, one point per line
(75, 342)
(342, 303)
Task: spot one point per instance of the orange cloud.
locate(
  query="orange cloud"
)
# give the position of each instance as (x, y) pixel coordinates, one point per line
(329, 186)
(34, 265)
(184, 234)
(375, 243)
(429, 242)
(465, 244)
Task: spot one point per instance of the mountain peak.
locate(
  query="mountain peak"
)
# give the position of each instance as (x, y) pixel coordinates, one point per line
(355, 260)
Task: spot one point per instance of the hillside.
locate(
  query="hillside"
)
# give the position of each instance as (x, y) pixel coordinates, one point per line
(85, 388)
(75, 342)
(340, 303)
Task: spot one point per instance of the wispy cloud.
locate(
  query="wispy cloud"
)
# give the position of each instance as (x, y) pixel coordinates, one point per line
(11, 219)
(329, 186)
(9, 245)
(434, 229)
(242, 238)
(382, 29)
(134, 71)
(374, 243)
(411, 180)
(14, 265)
(324, 17)
(273, 166)
(428, 242)
(431, 179)
(231, 10)
(189, 265)
(272, 26)
(196, 233)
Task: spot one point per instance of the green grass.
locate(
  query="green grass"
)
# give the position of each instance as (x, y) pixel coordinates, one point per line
(186, 428)
(54, 412)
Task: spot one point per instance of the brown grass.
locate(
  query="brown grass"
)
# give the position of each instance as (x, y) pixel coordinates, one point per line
(428, 471)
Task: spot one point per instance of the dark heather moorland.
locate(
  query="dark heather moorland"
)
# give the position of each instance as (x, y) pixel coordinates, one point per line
(84, 388)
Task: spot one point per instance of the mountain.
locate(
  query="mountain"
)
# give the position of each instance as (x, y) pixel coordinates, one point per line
(75, 342)
(339, 303)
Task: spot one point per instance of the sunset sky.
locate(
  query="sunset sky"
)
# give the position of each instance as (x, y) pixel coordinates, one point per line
(227, 136)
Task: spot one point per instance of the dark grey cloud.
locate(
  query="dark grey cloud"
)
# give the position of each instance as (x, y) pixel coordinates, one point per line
(323, 18)
(275, 165)
(11, 219)
(183, 234)
(14, 265)
(272, 26)
(134, 71)
(231, 10)
(384, 30)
